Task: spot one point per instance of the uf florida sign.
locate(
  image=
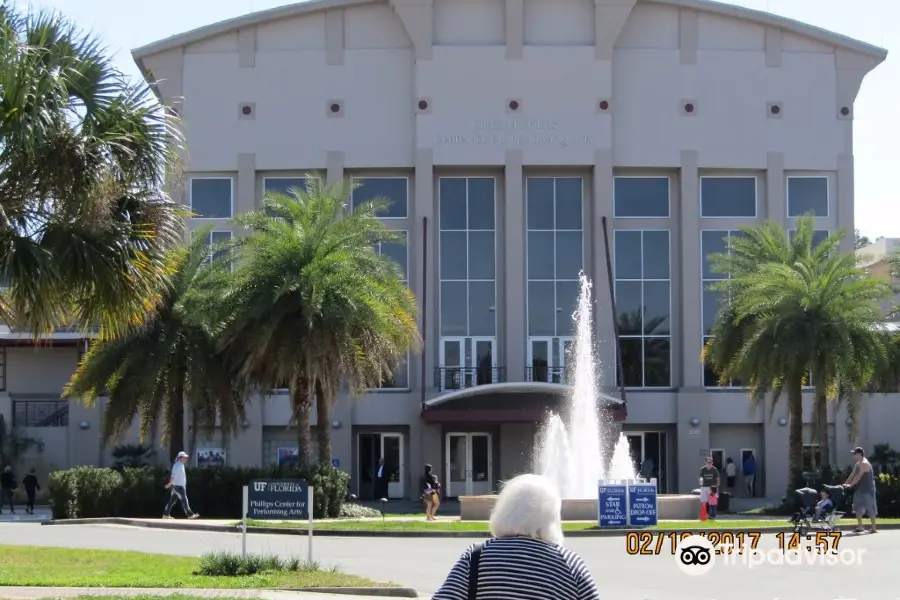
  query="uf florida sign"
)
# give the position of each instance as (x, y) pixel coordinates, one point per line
(627, 504)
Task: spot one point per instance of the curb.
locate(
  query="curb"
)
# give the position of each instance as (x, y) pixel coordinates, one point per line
(386, 592)
(188, 526)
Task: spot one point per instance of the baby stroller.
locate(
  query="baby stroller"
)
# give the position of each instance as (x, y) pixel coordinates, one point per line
(807, 518)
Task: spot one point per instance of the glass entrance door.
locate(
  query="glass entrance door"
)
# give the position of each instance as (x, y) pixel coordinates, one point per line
(392, 451)
(453, 363)
(547, 359)
(469, 464)
(483, 361)
(650, 456)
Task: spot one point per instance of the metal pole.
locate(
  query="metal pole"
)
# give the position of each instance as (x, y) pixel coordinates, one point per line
(309, 533)
(424, 331)
(612, 304)
(244, 509)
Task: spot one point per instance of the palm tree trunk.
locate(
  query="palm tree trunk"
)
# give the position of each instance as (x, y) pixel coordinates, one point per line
(302, 406)
(323, 424)
(176, 427)
(795, 437)
(820, 408)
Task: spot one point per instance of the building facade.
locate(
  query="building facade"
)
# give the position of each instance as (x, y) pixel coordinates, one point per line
(518, 140)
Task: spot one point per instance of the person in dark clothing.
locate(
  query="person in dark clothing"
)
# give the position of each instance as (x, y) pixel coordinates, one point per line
(8, 486)
(431, 493)
(31, 485)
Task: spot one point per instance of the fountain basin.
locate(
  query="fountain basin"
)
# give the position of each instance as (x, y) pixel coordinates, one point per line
(672, 507)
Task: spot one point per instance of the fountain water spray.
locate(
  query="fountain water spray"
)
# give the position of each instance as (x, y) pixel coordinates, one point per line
(571, 454)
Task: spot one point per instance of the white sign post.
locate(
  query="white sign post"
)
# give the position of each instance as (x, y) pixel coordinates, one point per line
(309, 534)
(244, 509)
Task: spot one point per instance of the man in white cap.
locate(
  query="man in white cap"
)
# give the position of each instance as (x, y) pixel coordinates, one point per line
(178, 485)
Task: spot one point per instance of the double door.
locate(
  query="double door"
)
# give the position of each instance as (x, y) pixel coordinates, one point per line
(467, 362)
(469, 464)
(650, 456)
(372, 447)
(548, 358)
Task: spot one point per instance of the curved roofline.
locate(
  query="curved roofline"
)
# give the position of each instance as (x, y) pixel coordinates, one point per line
(517, 387)
(312, 6)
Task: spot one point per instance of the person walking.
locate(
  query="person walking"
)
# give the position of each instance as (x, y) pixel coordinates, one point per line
(862, 479)
(31, 485)
(431, 493)
(525, 558)
(730, 474)
(178, 485)
(709, 478)
(749, 471)
(8, 487)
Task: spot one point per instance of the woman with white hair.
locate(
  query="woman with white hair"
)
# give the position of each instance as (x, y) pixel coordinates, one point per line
(525, 559)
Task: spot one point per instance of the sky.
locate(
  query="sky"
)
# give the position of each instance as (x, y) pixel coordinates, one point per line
(127, 24)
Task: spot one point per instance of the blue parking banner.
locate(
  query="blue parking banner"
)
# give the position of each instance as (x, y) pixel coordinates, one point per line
(642, 505)
(613, 504)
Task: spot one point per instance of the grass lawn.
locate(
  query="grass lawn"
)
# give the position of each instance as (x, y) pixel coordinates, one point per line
(345, 525)
(145, 597)
(65, 567)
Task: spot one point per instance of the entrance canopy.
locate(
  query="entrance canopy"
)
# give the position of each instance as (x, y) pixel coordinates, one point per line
(517, 402)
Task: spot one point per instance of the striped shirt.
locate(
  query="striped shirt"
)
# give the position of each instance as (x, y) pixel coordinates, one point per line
(521, 568)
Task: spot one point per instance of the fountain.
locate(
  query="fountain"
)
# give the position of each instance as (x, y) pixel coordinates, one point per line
(577, 455)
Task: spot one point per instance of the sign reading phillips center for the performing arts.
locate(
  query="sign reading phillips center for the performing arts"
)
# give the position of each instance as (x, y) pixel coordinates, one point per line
(515, 133)
(278, 499)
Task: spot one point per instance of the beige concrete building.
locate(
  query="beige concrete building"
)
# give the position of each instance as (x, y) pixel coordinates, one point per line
(507, 132)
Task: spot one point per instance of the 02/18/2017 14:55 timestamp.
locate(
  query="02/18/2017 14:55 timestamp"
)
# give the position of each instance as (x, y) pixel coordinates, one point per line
(652, 543)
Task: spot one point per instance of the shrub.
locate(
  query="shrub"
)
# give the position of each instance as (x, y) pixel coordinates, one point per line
(215, 493)
(358, 511)
(229, 564)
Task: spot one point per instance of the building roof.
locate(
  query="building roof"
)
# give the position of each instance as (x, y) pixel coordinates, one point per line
(312, 6)
(881, 249)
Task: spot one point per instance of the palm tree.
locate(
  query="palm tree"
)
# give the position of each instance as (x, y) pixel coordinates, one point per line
(314, 306)
(789, 309)
(84, 156)
(171, 359)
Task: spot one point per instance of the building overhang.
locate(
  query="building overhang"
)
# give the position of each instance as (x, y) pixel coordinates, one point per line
(14, 337)
(517, 402)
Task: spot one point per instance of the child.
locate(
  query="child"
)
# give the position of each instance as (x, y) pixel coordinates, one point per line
(824, 505)
(713, 501)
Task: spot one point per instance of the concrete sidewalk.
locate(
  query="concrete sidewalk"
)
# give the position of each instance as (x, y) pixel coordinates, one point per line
(38, 593)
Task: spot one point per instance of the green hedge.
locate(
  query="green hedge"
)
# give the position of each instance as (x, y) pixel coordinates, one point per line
(215, 493)
(887, 490)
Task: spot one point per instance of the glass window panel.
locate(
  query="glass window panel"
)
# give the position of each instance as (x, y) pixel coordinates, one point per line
(393, 189)
(540, 254)
(481, 255)
(482, 313)
(481, 203)
(711, 300)
(712, 242)
(540, 202)
(211, 198)
(454, 307)
(541, 308)
(399, 378)
(569, 254)
(452, 197)
(657, 312)
(728, 197)
(453, 255)
(631, 351)
(219, 237)
(568, 203)
(807, 195)
(628, 307)
(397, 252)
(656, 255)
(819, 236)
(657, 362)
(642, 197)
(628, 254)
(566, 303)
(283, 185)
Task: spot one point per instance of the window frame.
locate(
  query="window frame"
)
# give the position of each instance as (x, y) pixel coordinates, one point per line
(354, 179)
(787, 195)
(211, 255)
(408, 387)
(814, 450)
(193, 178)
(643, 336)
(668, 179)
(792, 232)
(555, 280)
(755, 179)
(703, 283)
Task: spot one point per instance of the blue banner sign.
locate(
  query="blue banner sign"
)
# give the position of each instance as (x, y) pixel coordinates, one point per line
(642, 505)
(613, 507)
(278, 499)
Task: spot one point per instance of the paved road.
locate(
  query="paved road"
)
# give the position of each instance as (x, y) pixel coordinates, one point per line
(422, 563)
